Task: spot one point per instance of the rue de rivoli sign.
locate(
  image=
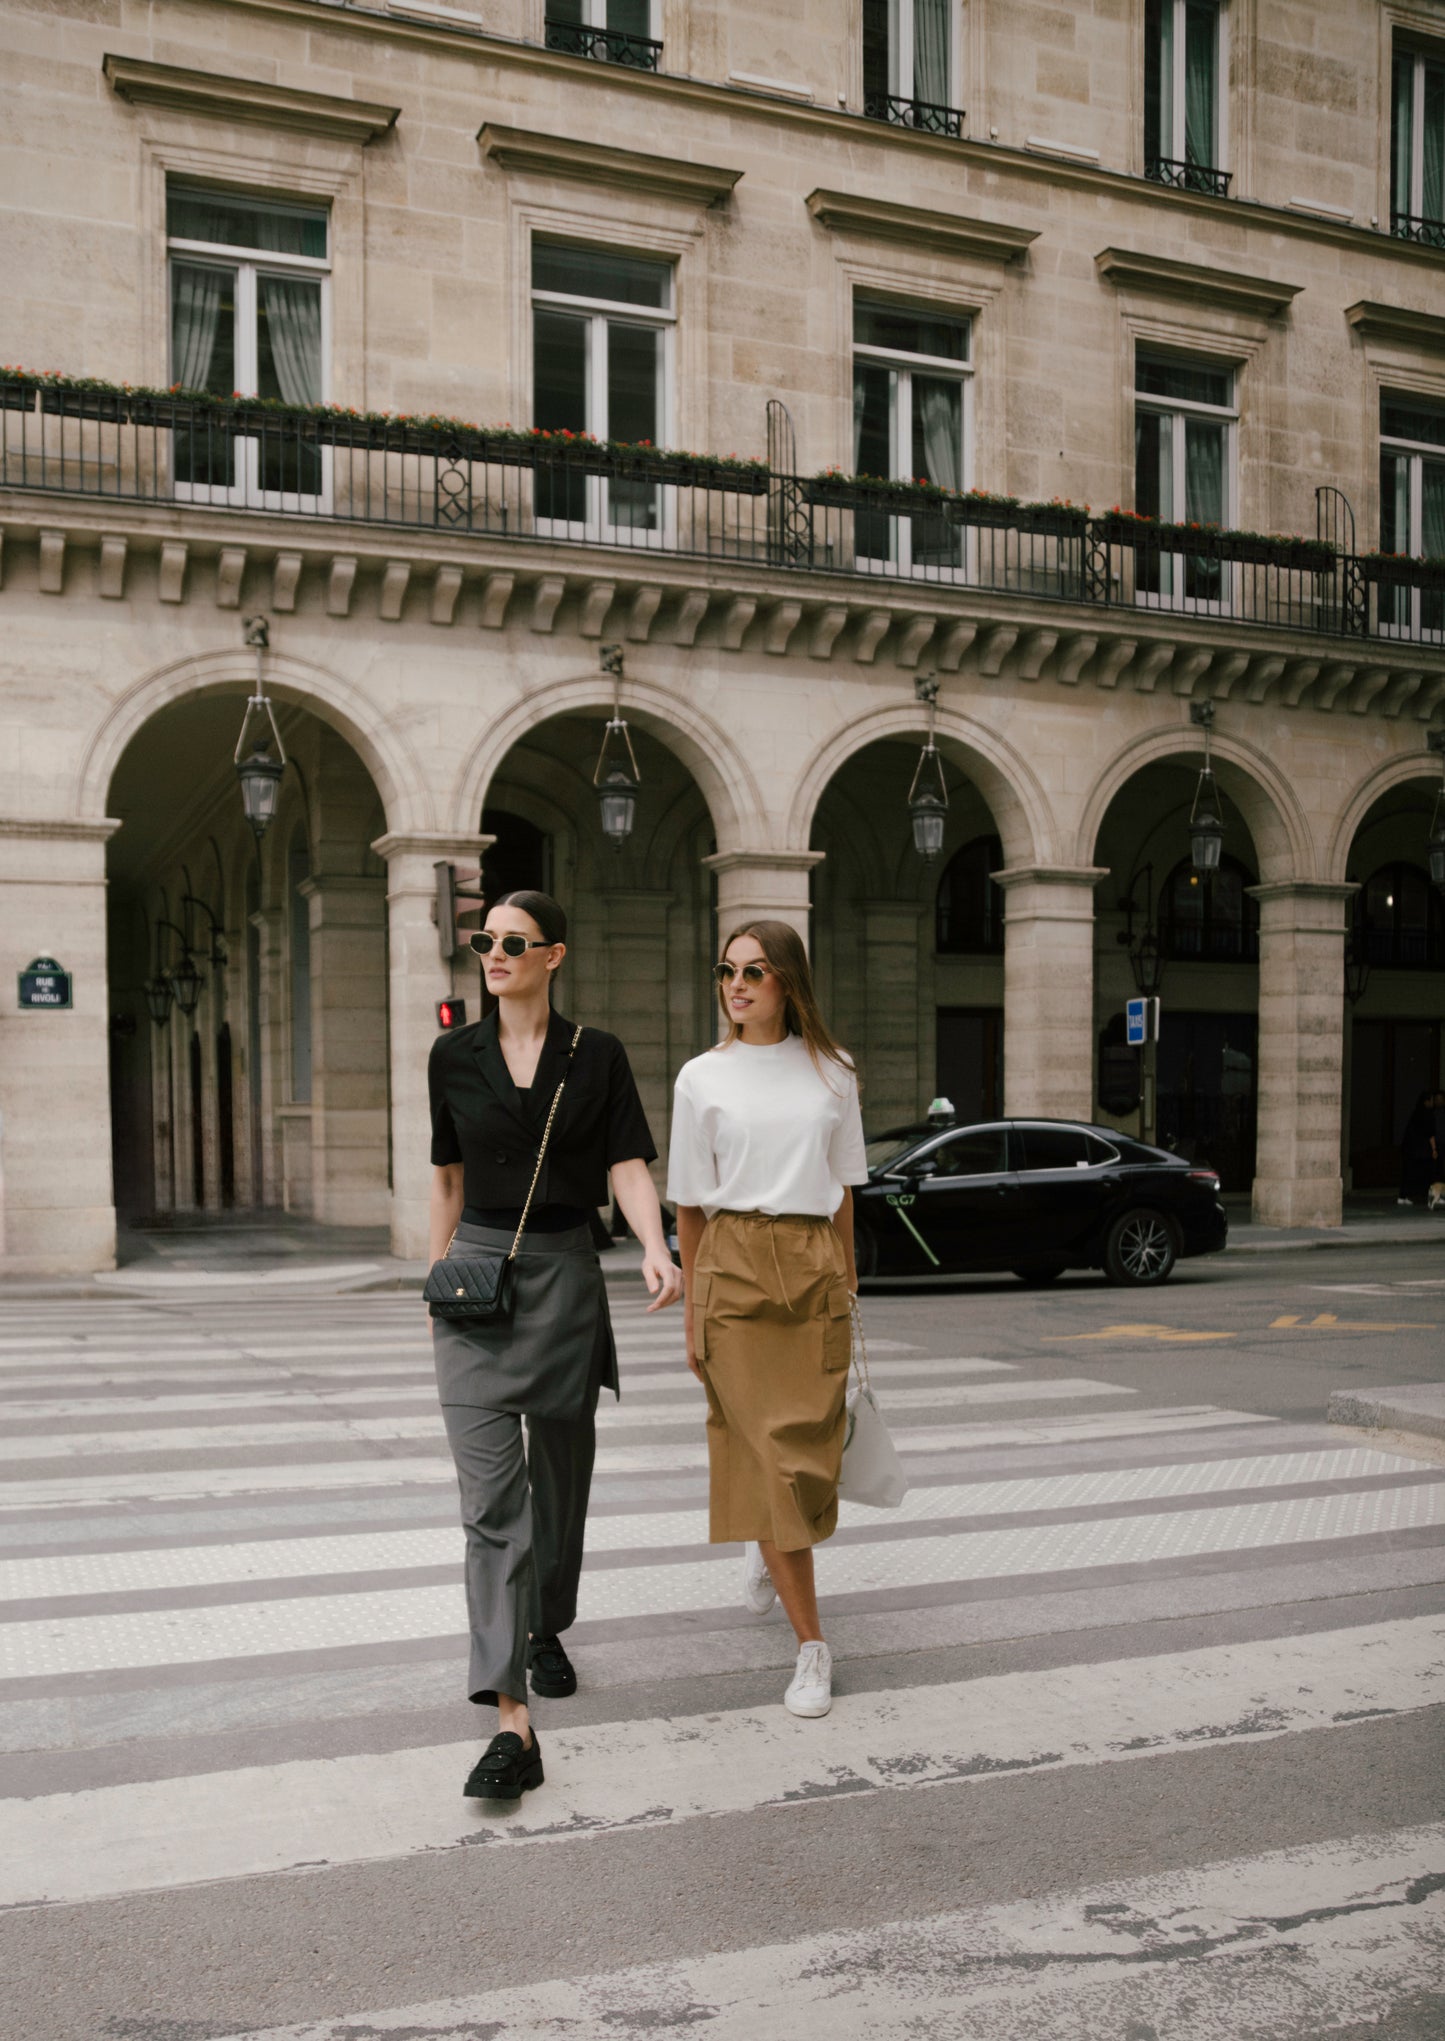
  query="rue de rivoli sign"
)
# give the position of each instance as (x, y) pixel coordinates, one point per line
(44, 984)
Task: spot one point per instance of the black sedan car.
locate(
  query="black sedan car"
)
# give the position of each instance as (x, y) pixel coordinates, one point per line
(1033, 1196)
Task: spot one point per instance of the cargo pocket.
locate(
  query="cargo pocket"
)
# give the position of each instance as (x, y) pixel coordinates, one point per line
(837, 1330)
(701, 1292)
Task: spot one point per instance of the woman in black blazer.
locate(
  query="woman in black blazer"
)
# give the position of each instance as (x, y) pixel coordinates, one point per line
(524, 1506)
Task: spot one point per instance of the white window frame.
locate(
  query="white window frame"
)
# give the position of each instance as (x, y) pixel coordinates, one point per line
(1174, 153)
(598, 522)
(247, 266)
(901, 59)
(1411, 600)
(903, 366)
(1178, 410)
(1418, 60)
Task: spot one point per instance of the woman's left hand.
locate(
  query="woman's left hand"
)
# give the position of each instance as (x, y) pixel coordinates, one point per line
(663, 1278)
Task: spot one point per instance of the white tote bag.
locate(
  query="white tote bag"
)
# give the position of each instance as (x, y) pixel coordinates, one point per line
(872, 1471)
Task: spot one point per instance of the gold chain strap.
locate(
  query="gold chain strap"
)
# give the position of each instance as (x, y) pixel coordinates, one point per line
(541, 1152)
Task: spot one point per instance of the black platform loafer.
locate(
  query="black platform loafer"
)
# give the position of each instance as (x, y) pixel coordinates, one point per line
(506, 1769)
(551, 1669)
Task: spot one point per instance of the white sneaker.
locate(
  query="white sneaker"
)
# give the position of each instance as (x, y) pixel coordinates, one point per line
(758, 1591)
(812, 1690)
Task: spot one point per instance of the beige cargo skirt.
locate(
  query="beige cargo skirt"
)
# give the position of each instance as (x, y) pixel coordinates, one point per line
(771, 1332)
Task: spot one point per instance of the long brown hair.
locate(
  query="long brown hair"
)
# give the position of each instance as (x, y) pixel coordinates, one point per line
(783, 948)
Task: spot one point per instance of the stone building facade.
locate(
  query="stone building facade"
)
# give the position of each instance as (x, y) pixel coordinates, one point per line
(1127, 253)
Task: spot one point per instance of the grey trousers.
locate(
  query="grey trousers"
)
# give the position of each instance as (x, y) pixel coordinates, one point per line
(524, 1512)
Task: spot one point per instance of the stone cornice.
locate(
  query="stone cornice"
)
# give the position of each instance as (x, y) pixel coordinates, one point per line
(67, 832)
(249, 99)
(437, 844)
(763, 860)
(1396, 322)
(919, 226)
(1050, 875)
(1229, 290)
(701, 184)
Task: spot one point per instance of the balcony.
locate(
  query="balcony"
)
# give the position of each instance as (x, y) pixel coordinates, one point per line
(1200, 177)
(915, 113)
(1411, 227)
(195, 459)
(606, 45)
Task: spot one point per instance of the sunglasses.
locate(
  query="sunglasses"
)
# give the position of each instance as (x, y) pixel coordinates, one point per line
(751, 974)
(510, 945)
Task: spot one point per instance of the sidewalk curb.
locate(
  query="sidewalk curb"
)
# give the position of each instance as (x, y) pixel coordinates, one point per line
(1417, 1407)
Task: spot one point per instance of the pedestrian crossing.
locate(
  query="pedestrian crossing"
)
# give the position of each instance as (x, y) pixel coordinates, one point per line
(255, 1497)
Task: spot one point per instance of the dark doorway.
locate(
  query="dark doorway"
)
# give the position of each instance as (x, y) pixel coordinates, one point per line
(1208, 1091)
(198, 1132)
(225, 1125)
(969, 1060)
(1392, 1062)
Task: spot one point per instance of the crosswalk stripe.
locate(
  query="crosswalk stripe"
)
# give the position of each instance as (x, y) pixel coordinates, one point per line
(633, 1774)
(52, 1645)
(1343, 1933)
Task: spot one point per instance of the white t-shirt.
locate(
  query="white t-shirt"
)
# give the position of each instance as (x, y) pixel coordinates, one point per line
(757, 1127)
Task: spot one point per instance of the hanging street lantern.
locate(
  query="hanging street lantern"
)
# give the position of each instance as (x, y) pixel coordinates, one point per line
(1206, 825)
(260, 773)
(158, 999)
(1357, 973)
(928, 795)
(617, 786)
(1437, 820)
(186, 984)
(1146, 960)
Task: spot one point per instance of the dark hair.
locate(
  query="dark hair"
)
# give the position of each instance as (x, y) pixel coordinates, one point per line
(549, 917)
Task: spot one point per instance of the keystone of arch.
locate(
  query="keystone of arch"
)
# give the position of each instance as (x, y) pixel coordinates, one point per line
(722, 772)
(392, 764)
(1016, 798)
(1393, 772)
(1283, 838)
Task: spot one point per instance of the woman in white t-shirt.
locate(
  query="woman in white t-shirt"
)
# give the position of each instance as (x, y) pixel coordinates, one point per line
(767, 1141)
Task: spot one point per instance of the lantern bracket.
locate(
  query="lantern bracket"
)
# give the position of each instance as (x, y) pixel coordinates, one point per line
(610, 657)
(930, 763)
(257, 633)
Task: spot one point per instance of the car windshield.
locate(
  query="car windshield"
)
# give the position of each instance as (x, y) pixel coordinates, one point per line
(886, 1149)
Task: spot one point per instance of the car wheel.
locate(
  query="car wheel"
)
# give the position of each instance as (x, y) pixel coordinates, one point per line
(1141, 1249)
(1034, 1279)
(865, 1250)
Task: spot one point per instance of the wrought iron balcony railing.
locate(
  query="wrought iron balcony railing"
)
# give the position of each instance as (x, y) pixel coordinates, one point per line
(1200, 177)
(607, 45)
(1412, 227)
(914, 113)
(195, 458)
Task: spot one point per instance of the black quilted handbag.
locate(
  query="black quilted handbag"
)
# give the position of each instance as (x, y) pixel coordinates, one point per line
(483, 1285)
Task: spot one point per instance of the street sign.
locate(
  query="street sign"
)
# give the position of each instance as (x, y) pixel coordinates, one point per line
(45, 985)
(1141, 1022)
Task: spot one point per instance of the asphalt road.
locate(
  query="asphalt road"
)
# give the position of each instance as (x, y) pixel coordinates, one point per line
(1140, 1716)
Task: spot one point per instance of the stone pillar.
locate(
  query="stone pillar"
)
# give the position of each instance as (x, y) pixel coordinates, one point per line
(270, 963)
(895, 1088)
(57, 1210)
(1048, 1023)
(1297, 1179)
(418, 979)
(762, 885)
(348, 1050)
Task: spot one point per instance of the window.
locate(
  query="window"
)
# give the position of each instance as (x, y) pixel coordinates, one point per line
(908, 65)
(969, 911)
(1210, 917)
(1183, 130)
(616, 31)
(249, 315)
(1060, 1148)
(1184, 426)
(1412, 507)
(298, 871)
(1417, 147)
(980, 1152)
(602, 364)
(911, 376)
(1399, 921)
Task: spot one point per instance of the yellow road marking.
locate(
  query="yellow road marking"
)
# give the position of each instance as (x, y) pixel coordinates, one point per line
(1328, 1322)
(1169, 1334)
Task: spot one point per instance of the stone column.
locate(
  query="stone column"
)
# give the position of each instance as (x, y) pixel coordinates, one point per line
(268, 1186)
(348, 1050)
(762, 885)
(896, 1089)
(57, 1209)
(1048, 1023)
(418, 979)
(1297, 1179)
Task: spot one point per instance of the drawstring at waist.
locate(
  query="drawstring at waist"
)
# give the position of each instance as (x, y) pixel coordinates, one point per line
(772, 1220)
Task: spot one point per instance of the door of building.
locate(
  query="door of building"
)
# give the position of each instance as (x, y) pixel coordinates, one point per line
(968, 1060)
(1208, 1091)
(1392, 1062)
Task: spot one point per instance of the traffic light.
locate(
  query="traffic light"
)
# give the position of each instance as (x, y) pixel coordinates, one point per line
(451, 1013)
(452, 888)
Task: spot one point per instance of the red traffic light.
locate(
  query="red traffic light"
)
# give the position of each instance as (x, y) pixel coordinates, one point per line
(451, 1013)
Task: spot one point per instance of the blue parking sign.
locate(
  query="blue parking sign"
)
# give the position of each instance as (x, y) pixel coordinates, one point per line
(1135, 1024)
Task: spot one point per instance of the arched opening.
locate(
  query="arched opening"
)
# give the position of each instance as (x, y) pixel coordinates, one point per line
(1192, 938)
(1397, 985)
(247, 982)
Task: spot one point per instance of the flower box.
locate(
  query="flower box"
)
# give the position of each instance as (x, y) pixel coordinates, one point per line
(17, 393)
(1049, 520)
(1394, 570)
(863, 492)
(67, 400)
(1213, 542)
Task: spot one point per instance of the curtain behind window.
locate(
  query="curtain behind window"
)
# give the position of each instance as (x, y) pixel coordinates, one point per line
(1432, 145)
(291, 307)
(195, 319)
(939, 409)
(1403, 132)
(1203, 472)
(930, 51)
(1201, 55)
